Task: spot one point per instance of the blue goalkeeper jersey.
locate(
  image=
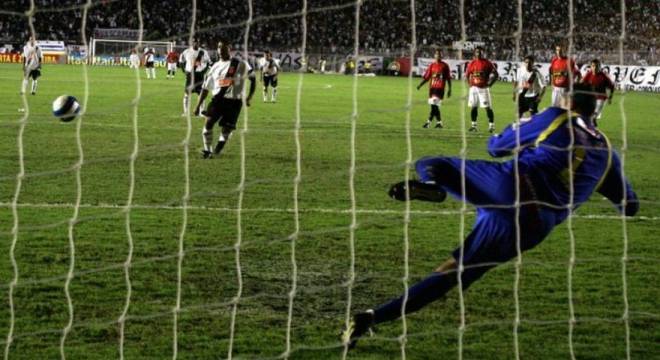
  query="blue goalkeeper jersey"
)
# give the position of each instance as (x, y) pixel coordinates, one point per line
(552, 147)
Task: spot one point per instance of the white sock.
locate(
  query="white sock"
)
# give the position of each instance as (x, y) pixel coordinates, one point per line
(147, 71)
(265, 95)
(153, 73)
(274, 94)
(474, 124)
(24, 86)
(207, 137)
(186, 101)
(34, 86)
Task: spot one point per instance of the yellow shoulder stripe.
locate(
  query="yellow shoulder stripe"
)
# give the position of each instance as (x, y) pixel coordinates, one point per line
(609, 161)
(556, 123)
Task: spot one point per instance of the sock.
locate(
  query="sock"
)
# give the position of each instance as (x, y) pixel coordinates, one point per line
(491, 116)
(435, 112)
(221, 143)
(207, 136)
(24, 86)
(186, 101)
(153, 73)
(419, 295)
(34, 86)
(265, 95)
(147, 71)
(473, 115)
(273, 96)
(428, 290)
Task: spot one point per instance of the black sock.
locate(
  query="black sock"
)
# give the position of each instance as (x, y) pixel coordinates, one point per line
(435, 112)
(491, 115)
(219, 146)
(473, 114)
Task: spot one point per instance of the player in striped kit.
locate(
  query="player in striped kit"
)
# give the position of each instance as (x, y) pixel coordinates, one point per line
(195, 62)
(600, 83)
(269, 71)
(226, 82)
(439, 75)
(172, 62)
(529, 87)
(31, 65)
(563, 72)
(481, 74)
(149, 58)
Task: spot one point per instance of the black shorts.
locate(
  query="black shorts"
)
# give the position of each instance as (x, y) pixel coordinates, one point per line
(439, 93)
(224, 111)
(528, 103)
(270, 80)
(149, 64)
(199, 80)
(34, 74)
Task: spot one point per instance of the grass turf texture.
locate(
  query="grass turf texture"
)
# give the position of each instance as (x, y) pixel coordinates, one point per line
(209, 271)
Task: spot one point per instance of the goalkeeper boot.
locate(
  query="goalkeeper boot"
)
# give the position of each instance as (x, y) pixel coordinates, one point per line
(438, 125)
(360, 324)
(473, 129)
(418, 191)
(426, 125)
(206, 154)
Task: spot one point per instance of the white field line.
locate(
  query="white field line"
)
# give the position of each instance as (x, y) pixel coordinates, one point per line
(289, 210)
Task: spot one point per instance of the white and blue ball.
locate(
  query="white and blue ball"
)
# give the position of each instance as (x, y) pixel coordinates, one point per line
(66, 108)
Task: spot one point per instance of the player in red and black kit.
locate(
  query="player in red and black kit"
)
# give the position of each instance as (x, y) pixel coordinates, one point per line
(600, 82)
(481, 74)
(172, 62)
(563, 71)
(438, 74)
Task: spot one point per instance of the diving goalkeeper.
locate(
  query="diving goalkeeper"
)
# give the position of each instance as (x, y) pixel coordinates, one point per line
(546, 199)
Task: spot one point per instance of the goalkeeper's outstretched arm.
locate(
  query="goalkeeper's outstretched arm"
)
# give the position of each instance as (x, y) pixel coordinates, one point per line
(612, 187)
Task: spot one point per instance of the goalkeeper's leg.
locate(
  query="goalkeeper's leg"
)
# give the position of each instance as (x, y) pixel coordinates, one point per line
(486, 183)
(432, 288)
(491, 242)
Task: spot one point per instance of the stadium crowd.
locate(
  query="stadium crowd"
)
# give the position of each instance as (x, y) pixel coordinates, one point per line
(384, 25)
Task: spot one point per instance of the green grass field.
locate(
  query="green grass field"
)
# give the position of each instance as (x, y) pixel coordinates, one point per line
(322, 250)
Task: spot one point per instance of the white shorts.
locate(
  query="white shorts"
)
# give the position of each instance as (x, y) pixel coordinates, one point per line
(171, 66)
(558, 94)
(479, 96)
(435, 101)
(600, 104)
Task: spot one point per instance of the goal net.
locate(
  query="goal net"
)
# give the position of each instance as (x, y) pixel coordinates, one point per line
(121, 241)
(117, 51)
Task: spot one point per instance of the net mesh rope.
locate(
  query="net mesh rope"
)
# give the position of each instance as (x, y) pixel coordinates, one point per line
(296, 211)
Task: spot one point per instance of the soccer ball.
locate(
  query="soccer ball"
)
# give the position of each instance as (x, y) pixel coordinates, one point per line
(66, 108)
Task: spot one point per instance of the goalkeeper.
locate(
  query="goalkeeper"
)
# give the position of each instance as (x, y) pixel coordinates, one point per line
(546, 142)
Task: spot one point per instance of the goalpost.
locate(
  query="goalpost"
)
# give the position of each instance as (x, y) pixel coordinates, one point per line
(113, 48)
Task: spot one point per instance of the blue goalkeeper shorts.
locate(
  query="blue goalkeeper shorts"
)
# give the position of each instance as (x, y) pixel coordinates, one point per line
(490, 187)
(493, 237)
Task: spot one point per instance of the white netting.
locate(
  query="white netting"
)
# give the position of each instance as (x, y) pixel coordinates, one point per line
(296, 211)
